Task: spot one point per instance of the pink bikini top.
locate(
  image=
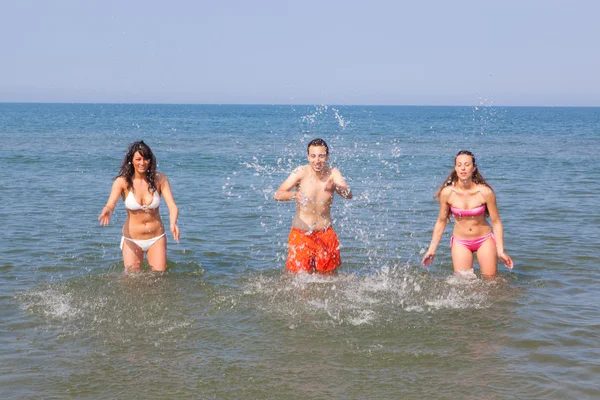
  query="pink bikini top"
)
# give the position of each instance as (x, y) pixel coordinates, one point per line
(468, 213)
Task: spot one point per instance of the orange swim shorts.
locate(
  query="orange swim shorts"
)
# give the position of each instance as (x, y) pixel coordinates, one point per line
(314, 251)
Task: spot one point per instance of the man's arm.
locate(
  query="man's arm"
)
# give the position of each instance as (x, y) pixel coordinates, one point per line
(285, 192)
(341, 187)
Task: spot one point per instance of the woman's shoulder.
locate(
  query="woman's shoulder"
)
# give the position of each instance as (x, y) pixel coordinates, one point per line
(446, 192)
(121, 181)
(485, 190)
(120, 185)
(160, 179)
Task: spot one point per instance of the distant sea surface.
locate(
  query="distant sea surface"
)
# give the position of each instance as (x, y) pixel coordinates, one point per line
(227, 322)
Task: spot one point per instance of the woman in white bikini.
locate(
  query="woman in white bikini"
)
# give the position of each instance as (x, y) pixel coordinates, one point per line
(140, 187)
(469, 198)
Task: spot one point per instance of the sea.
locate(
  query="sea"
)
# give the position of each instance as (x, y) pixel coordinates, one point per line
(226, 321)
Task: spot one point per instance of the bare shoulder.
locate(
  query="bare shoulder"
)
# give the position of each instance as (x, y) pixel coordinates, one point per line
(300, 171)
(119, 186)
(120, 182)
(446, 192)
(486, 191)
(160, 177)
(161, 181)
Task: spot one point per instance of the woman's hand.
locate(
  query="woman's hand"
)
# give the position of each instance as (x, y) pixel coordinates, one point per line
(105, 215)
(175, 231)
(506, 260)
(428, 258)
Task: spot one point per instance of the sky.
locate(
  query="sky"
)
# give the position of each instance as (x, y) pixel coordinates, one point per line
(504, 53)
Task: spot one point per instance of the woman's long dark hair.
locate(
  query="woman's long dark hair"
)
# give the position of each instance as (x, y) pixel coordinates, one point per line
(127, 171)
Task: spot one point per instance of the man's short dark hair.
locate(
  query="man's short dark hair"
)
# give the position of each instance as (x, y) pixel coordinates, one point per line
(318, 142)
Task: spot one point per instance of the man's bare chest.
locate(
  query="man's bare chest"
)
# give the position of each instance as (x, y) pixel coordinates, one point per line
(314, 190)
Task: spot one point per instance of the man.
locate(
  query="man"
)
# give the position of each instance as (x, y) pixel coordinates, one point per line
(313, 244)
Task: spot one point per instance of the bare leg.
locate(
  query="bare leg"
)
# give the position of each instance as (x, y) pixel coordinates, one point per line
(487, 257)
(157, 255)
(462, 258)
(132, 256)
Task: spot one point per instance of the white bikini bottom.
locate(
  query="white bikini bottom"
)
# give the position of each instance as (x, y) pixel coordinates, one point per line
(143, 244)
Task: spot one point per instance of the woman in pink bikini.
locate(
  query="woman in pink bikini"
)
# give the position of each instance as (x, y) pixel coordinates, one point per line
(140, 187)
(470, 199)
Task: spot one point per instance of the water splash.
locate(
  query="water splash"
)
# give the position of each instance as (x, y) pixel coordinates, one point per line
(117, 306)
(378, 297)
(484, 114)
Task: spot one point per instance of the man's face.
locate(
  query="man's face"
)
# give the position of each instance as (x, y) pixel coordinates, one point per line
(318, 157)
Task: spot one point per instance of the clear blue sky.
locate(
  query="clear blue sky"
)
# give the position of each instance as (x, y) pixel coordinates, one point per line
(504, 52)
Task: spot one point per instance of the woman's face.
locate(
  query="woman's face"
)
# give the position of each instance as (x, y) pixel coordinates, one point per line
(140, 164)
(464, 167)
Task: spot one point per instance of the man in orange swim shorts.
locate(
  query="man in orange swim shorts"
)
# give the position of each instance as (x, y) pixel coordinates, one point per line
(313, 244)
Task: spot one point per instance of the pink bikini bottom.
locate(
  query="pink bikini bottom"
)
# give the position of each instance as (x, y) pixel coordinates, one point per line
(473, 244)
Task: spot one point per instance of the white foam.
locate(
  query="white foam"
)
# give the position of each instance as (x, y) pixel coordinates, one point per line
(50, 302)
(371, 298)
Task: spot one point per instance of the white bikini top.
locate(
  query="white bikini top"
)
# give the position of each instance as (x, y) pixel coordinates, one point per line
(133, 205)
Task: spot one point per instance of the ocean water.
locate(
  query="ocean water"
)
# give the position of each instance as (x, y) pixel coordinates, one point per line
(227, 322)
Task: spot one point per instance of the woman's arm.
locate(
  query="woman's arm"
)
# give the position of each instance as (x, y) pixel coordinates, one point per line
(492, 207)
(113, 198)
(167, 194)
(438, 229)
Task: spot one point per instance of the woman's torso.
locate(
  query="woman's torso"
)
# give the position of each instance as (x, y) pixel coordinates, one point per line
(143, 218)
(468, 207)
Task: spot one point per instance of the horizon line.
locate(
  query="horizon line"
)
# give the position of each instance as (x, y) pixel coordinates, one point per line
(293, 104)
